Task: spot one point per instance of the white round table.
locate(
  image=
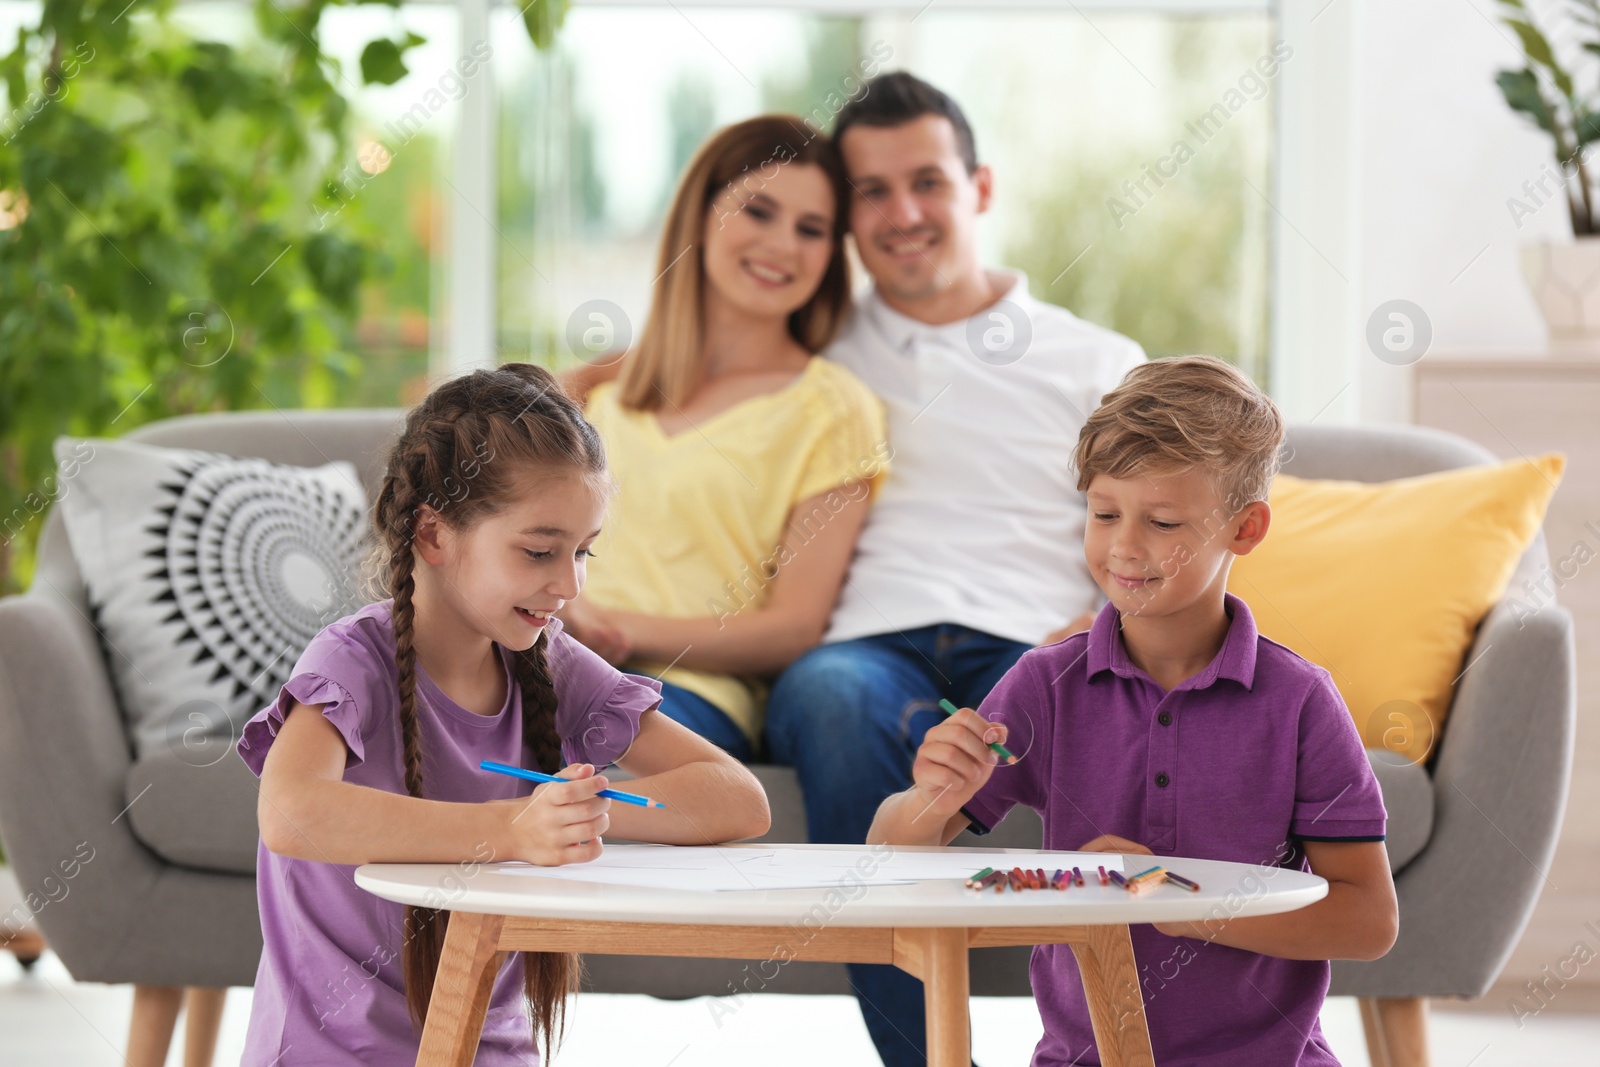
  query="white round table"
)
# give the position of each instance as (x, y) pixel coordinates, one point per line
(924, 928)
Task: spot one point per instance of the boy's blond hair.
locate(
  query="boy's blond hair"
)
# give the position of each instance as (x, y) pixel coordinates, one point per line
(1185, 413)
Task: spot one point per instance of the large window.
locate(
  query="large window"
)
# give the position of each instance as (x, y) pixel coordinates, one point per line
(1132, 151)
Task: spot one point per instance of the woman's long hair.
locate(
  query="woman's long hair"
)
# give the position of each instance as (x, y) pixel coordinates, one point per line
(665, 365)
(461, 453)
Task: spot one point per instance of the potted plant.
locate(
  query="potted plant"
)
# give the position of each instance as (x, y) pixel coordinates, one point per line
(1563, 276)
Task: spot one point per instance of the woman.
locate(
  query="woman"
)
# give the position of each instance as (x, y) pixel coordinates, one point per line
(745, 465)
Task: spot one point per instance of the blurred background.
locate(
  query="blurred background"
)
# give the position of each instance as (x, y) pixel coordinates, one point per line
(257, 204)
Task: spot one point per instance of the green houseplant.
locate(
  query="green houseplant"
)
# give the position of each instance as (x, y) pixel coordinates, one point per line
(173, 231)
(173, 236)
(1554, 90)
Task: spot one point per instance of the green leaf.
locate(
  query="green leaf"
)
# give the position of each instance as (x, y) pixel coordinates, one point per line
(381, 63)
(1586, 127)
(1538, 50)
(13, 68)
(336, 267)
(543, 18)
(383, 60)
(1521, 90)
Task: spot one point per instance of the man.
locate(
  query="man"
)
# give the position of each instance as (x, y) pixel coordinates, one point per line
(973, 551)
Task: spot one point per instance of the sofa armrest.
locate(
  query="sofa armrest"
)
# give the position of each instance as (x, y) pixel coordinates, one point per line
(1500, 787)
(64, 762)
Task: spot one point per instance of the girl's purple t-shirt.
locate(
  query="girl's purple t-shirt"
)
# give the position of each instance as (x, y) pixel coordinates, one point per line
(329, 988)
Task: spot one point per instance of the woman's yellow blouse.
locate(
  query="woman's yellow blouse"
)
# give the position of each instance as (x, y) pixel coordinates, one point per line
(698, 525)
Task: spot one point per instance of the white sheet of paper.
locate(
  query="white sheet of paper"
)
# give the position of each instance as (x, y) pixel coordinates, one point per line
(719, 870)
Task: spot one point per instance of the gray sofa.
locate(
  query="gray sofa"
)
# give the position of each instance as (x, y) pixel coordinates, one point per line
(169, 896)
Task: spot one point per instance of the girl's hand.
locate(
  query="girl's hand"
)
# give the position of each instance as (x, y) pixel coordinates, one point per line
(562, 822)
(954, 761)
(594, 628)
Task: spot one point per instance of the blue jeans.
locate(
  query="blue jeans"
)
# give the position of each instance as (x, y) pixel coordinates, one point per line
(849, 717)
(707, 720)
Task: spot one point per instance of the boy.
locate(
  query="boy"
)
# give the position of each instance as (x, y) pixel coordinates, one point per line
(1172, 728)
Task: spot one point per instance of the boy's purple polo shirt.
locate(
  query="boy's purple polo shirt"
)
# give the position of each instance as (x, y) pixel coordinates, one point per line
(1239, 762)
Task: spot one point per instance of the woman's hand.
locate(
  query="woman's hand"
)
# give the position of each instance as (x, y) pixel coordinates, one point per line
(1078, 625)
(598, 630)
(562, 822)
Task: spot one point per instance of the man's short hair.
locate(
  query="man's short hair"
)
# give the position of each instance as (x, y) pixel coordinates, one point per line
(1186, 413)
(897, 98)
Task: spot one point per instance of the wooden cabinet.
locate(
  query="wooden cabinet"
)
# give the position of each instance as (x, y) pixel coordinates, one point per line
(1523, 405)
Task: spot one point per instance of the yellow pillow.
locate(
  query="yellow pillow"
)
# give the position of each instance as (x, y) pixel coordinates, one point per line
(1385, 583)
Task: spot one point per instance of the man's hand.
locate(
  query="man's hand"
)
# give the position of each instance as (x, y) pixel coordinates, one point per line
(594, 628)
(1078, 625)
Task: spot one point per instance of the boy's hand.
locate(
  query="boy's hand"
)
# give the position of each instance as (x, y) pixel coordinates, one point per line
(562, 822)
(954, 761)
(1113, 843)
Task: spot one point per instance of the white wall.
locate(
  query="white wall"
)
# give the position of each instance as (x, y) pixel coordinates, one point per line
(1439, 154)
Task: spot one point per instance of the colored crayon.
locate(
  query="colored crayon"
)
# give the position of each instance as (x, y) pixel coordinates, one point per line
(1193, 887)
(1004, 753)
(540, 776)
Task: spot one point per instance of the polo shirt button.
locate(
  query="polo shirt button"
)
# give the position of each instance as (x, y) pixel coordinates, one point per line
(1162, 779)
(1165, 718)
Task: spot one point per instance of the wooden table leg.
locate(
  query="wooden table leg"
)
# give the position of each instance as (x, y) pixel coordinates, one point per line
(939, 958)
(461, 990)
(1111, 985)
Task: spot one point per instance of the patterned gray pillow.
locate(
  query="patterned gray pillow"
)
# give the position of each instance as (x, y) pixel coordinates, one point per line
(207, 576)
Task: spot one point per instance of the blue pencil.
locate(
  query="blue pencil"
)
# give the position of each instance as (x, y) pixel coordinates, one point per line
(540, 776)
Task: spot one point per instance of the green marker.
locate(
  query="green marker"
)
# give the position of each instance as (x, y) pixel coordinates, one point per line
(951, 709)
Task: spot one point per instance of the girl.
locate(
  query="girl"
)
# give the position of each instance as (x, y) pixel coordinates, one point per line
(746, 465)
(493, 494)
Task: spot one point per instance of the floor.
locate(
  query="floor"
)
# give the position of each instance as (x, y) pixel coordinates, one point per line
(47, 1019)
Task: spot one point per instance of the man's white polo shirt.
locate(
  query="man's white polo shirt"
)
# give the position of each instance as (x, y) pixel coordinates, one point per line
(979, 521)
